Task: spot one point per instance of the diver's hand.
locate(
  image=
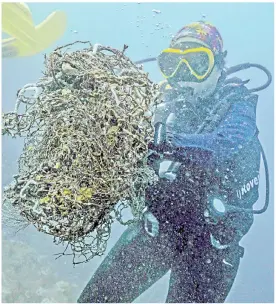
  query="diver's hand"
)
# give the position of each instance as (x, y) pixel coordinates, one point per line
(151, 224)
(160, 148)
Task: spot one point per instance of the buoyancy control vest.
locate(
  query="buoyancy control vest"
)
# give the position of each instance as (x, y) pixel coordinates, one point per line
(237, 180)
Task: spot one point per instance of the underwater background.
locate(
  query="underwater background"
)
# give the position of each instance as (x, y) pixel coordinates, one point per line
(247, 31)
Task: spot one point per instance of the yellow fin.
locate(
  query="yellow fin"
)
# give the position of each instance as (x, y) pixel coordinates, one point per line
(51, 29)
(17, 22)
(30, 40)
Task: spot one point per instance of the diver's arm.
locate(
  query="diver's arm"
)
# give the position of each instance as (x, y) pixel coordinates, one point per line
(237, 129)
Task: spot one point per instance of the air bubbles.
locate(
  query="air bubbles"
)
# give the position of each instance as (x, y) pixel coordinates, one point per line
(156, 11)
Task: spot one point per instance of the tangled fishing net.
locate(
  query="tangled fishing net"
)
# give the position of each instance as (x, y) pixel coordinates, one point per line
(86, 128)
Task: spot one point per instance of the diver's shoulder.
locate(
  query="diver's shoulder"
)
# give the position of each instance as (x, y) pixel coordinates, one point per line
(235, 88)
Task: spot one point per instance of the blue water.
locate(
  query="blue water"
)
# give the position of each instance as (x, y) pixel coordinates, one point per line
(247, 31)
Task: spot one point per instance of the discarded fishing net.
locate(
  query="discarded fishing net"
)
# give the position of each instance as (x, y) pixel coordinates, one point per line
(87, 128)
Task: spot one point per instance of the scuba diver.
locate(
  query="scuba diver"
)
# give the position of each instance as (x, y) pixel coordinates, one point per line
(26, 38)
(207, 154)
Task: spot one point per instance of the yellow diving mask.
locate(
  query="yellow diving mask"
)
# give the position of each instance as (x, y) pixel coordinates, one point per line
(199, 61)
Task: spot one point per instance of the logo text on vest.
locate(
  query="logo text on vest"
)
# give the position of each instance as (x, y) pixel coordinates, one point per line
(248, 186)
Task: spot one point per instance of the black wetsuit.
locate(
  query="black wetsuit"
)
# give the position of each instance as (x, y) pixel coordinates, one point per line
(200, 271)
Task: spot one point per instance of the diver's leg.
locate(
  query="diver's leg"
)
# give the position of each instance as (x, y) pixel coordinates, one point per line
(204, 276)
(135, 263)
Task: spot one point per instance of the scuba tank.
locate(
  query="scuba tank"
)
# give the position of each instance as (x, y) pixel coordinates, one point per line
(210, 123)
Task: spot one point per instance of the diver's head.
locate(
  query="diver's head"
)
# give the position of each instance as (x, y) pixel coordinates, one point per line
(194, 60)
